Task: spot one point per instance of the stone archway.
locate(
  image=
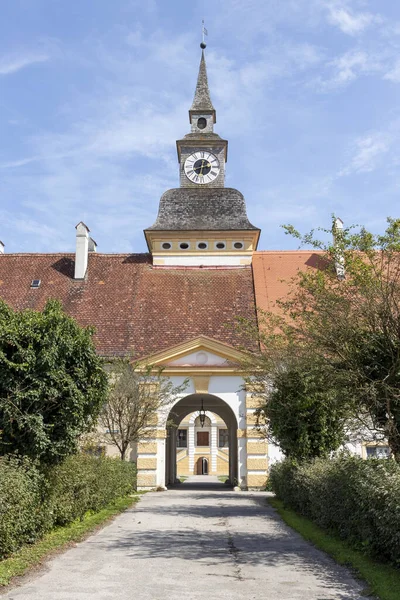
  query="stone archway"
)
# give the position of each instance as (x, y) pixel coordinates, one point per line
(191, 404)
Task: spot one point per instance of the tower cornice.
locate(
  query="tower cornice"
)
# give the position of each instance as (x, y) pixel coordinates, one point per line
(202, 141)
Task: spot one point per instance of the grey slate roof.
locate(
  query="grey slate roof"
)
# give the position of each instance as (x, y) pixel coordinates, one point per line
(192, 209)
(202, 100)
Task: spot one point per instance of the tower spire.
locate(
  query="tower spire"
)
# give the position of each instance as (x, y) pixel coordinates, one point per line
(202, 100)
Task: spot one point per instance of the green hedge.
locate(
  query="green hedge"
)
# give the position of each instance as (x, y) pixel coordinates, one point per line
(359, 500)
(33, 502)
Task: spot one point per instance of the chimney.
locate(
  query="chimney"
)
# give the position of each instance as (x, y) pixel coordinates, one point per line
(337, 231)
(1, 247)
(92, 245)
(82, 250)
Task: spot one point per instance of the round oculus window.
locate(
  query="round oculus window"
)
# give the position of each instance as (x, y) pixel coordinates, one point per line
(220, 245)
(184, 246)
(238, 245)
(166, 246)
(201, 123)
(202, 246)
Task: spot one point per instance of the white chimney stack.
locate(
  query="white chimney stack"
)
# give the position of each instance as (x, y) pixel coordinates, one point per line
(92, 245)
(1, 247)
(82, 250)
(339, 259)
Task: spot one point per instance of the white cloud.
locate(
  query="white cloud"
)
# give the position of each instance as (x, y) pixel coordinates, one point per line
(348, 22)
(13, 63)
(367, 152)
(18, 163)
(348, 67)
(394, 73)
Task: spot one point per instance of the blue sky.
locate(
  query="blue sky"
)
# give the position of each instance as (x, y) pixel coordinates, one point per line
(93, 95)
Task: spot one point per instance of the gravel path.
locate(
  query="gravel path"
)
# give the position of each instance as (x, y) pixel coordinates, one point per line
(193, 542)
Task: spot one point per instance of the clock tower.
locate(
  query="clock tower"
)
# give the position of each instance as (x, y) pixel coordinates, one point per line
(202, 223)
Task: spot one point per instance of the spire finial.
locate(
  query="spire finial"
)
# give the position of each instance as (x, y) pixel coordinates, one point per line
(204, 32)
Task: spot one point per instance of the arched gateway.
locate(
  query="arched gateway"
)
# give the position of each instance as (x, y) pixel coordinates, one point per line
(213, 405)
(214, 383)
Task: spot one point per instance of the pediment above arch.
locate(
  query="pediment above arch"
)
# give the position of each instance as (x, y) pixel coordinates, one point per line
(199, 354)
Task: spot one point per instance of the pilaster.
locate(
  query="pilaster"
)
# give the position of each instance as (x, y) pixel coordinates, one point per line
(256, 446)
(151, 460)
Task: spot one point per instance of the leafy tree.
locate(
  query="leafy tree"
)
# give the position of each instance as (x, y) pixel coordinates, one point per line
(135, 398)
(52, 382)
(305, 416)
(348, 313)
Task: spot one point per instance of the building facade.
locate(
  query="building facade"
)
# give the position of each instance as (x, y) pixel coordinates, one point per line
(174, 308)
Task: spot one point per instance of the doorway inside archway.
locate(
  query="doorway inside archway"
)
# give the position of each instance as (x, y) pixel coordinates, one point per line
(202, 466)
(206, 446)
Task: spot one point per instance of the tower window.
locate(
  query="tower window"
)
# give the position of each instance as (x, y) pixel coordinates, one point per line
(220, 245)
(238, 245)
(184, 245)
(166, 246)
(202, 245)
(201, 123)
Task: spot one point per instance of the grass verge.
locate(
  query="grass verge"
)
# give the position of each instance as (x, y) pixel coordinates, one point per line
(383, 580)
(223, 478)
(32, 556)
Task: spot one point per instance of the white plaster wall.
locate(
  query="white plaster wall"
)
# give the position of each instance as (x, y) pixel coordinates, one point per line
(275, 454)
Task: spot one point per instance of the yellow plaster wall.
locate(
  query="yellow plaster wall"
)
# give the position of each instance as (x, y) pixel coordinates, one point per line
(257, 447)
(222, 466)
(256, 464)
(255, 433)
(147, 463)
(183, 466)
(147, 448)
(251, 419)
(253, 401)
(146, 479)
(254, 480)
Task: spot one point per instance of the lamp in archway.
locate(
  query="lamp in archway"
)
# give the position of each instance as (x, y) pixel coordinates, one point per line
(202, 414)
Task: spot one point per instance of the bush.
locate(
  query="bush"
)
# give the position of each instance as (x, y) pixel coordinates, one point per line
(359, 500)
(82, 483)
(22, 514)
(33, 502)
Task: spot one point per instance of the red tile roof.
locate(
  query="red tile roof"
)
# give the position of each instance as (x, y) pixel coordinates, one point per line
(273, 272)
(132, 304)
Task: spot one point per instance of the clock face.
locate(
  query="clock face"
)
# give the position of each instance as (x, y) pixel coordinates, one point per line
(202, 167)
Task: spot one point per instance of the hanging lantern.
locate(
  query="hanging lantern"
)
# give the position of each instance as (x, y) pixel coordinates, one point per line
(202, 414)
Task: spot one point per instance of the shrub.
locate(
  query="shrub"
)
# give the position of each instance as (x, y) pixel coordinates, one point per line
(356, 499)
(82, 483)
(32, 502)
(22, 515)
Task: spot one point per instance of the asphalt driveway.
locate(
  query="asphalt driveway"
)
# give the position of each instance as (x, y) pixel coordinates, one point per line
(193, 542)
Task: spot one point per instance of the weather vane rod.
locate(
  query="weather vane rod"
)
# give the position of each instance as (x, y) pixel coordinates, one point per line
(204, 32)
